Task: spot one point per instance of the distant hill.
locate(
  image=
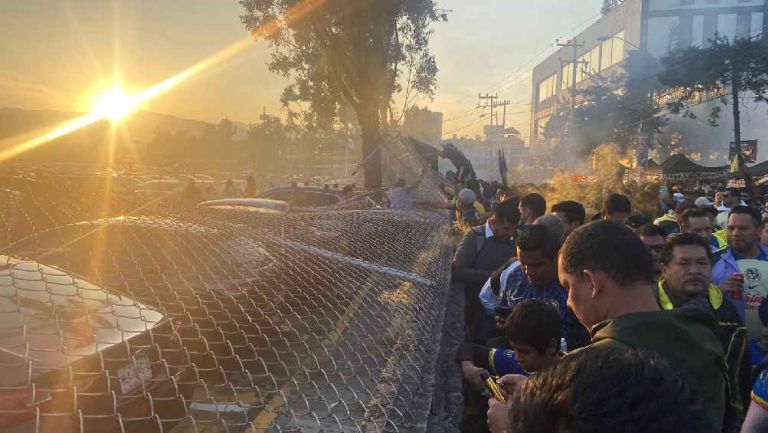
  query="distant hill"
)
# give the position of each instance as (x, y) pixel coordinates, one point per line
(141, 127)
(145, 135)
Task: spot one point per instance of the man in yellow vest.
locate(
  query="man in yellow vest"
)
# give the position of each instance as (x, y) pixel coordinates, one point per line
(686, 280)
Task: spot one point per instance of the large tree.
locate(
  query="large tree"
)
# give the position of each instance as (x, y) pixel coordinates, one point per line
(349, 51)
(725, 71)
(610, 110)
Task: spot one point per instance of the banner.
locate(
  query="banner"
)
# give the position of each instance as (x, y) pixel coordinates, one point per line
(748, 150)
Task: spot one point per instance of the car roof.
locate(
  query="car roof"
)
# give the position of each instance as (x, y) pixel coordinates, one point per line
(50, 317)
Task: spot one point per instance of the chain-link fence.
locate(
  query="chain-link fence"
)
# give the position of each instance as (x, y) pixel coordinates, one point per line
(122, 313)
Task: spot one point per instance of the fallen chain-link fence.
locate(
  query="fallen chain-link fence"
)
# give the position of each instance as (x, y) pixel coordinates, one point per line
(127, 314)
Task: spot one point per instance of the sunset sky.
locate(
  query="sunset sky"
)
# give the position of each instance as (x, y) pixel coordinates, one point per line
(56, 54)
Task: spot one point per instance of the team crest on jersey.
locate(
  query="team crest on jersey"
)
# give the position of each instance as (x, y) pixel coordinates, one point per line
(752, 274)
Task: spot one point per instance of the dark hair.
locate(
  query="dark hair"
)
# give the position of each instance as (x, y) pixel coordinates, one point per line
(606, 389)
(684, 206)
(534, 323)
(617, 203)
(608, 247)
(692, 213)
(507, 211)
(684, 240)
(733, 191)
(638, 220)
(574, 211)
(538, 238)
(650, 230)
(757, 218)
(536, 203)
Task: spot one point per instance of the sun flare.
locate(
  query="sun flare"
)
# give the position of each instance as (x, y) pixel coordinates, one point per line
(114, 105)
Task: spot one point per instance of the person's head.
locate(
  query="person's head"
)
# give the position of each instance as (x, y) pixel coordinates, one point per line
(533, 330)
(532, 206)
(617, 208)
(400, 183)
(686, 265)
(250, 180)
(731, 197)
(537, 250)
(653, 238)
(744, 227)
(719, 198)
(696, 221)
(572, 213)
(555, 225)
(505, 219)
(467, 197)
(604, 265)
(607, 389)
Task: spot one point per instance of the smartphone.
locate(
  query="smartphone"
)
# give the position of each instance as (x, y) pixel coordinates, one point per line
(492, 387)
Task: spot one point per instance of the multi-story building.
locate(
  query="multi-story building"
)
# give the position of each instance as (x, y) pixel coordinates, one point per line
(654, 27)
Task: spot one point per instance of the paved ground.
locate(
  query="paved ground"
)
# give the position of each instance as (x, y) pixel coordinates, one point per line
(448, 403)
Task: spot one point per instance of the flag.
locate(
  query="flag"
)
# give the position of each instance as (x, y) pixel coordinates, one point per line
(503, 167)
(736, 164)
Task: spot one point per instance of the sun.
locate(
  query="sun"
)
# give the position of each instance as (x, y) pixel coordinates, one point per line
(114, 105)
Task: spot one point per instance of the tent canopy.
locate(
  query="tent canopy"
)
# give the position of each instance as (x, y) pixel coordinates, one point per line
(681, 164)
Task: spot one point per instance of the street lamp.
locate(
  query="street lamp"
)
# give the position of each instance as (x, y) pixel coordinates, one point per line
(605, 38)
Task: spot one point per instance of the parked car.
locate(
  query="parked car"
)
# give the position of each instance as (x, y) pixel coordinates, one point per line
(305, 196)
(69, 347)
(249, 204)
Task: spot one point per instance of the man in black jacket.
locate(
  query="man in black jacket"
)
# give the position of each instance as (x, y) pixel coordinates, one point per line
(686, 280)
(483, 250)
(609, 276)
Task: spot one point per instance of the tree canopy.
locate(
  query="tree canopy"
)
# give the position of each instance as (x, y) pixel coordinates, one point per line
(699, 74)
(358, 53)
(610, 110)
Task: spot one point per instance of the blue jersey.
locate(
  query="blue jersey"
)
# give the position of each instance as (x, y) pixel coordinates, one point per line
(518, 289)
(503, 362)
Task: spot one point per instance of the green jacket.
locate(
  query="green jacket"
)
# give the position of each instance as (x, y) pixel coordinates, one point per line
(686, 338)
(733, 338)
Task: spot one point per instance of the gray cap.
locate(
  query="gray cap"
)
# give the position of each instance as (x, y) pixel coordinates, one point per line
(703, 202)
(467, 196)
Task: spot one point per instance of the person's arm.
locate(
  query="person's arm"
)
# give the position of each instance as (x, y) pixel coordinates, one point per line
(473, 359)
(756, 420)
(461, 267)
(487, 296)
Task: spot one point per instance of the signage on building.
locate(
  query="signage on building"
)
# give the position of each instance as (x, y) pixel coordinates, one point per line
(748, 149)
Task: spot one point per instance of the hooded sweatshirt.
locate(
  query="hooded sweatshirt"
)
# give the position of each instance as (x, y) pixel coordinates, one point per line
(686, 338)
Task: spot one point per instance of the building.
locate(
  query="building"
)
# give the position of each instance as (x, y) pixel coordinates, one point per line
(654, 27)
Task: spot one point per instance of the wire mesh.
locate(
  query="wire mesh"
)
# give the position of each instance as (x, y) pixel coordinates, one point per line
(128, 314)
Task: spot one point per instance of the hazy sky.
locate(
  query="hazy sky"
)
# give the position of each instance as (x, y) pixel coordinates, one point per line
(57, 53)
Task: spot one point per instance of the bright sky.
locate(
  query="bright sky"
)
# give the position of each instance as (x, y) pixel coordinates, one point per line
(56, 53)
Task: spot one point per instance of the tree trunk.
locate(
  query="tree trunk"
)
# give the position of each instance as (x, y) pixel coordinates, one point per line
(368, 118)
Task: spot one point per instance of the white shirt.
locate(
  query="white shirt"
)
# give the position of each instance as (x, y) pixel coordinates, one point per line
(488, 299)
(488, 230)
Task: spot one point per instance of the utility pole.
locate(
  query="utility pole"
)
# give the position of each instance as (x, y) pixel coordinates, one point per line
(575, 45)
(491, 104)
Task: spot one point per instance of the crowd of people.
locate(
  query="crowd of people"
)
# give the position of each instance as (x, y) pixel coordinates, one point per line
(628, 322)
